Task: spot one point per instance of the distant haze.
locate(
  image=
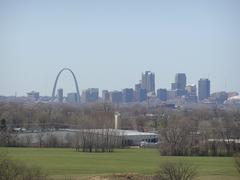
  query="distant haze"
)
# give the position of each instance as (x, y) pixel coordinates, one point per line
(108, 44)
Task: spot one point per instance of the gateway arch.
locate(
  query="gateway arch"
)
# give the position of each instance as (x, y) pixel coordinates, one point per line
(75, 80)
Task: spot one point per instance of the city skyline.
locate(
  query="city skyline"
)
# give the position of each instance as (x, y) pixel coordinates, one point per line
(109, 44)
(137, 82)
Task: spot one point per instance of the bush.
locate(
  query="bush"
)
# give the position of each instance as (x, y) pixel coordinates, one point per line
(176, 171)
(15, 170)
(237, 162)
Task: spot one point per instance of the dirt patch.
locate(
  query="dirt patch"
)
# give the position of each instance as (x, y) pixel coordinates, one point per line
(128, 176)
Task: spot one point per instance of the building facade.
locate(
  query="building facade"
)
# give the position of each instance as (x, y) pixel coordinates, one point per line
(60, 95)
(148, 82)
(90, 95)
(128, 95)
(162, 94)
(116, 97)
(180, 84)
(105, 95)
(72, 97)
(203, 89)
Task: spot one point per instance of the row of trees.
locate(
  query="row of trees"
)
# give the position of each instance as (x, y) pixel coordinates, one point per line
(86, 140)
(189, 135)
(97, 140)
(47, 116)
(190, 131)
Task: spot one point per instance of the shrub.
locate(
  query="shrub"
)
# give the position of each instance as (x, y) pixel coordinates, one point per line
(16, 170)
(237, 162)
(176, 171)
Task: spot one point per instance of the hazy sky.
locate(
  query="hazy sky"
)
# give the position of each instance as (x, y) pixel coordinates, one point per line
(108, 44)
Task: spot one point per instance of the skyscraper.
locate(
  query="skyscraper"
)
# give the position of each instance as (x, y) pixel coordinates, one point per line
(181, 81)
(148, 81)
(180, 84)
(94, 94)
(60, 95)
(116, 97)
(203, 89)
(105, 95)
(191, 91)
(128, 95)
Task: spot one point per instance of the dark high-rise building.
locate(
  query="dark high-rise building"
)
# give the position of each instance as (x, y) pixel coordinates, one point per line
(105, 95)
(128, 95)
(162, 94)
(180, 84)
(203, 89)
(181, 81)
(116, 97)
(60, 95)
(148, 81)
(85, 96)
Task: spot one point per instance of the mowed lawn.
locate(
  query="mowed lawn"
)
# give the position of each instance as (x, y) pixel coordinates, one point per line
(64, 162)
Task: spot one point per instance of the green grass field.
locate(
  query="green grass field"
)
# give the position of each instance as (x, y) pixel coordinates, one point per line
(67, 162)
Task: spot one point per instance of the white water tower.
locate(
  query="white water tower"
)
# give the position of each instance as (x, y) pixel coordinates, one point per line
(116, 115)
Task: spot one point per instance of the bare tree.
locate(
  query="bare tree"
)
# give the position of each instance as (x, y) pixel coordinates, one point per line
(177, 138)
(40, 136)
(176, 171)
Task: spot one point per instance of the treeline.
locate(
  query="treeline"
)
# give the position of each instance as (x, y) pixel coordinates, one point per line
(203, 132)
(98, 140)
(191, 131)
(47, 116)
(85, 140)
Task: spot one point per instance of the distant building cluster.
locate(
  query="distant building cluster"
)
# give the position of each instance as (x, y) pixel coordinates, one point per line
(145, 92)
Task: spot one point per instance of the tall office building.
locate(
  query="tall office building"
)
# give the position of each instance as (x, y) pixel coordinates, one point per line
(94, 94)
(116, 97)
(203, 89)
(181, 81)
(60, 95)
(180, 84)
(105, 95)
(85, 96)
(148, 81)
(128, 95)
(162, 94)
(191, 91)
